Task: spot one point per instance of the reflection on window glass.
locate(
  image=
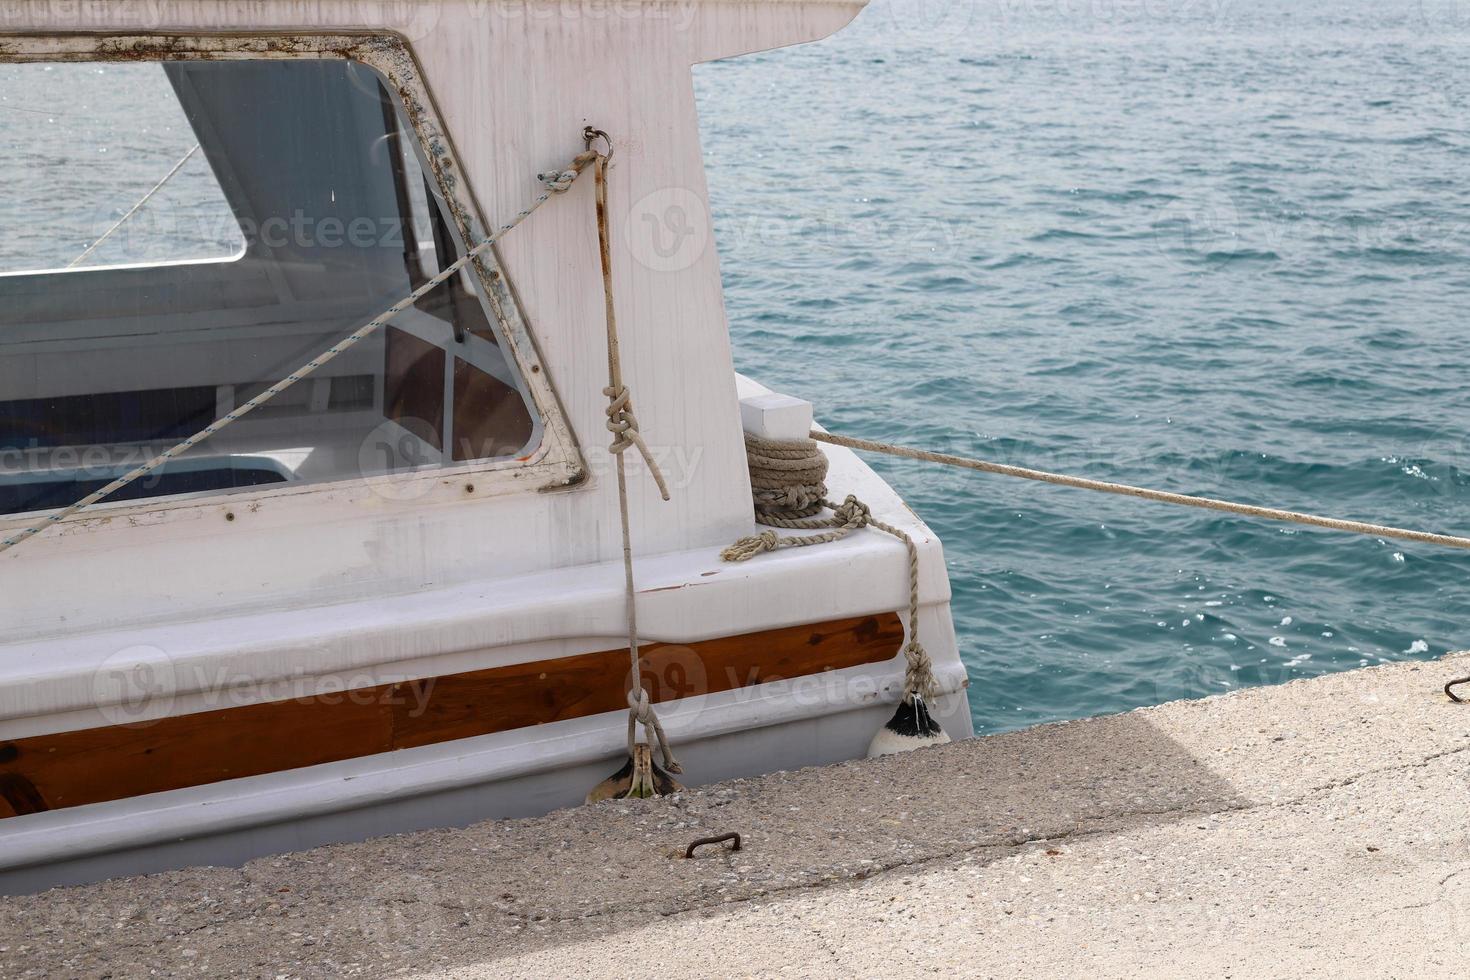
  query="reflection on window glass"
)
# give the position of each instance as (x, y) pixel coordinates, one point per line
(84, 143)
(161, 329)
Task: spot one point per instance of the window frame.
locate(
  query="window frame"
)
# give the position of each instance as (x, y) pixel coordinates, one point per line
(556, 463)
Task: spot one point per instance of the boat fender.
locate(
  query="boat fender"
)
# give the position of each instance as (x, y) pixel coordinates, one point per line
(911, 727)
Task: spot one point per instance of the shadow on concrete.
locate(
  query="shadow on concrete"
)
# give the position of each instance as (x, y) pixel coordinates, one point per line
(439, 899)
(582, 873)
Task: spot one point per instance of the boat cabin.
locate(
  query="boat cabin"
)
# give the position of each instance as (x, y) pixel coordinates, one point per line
(391, 596)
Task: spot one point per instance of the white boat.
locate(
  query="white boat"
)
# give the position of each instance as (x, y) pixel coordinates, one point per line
(392, 596)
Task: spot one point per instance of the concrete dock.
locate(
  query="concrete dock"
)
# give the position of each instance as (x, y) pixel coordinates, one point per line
(1319, 828)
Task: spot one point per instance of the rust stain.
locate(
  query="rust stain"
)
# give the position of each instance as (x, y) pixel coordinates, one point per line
(576, 479)
(670, 588)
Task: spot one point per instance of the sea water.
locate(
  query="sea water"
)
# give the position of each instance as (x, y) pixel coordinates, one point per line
(1211, 246)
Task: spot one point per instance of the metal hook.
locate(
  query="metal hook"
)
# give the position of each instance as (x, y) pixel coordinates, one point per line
(1451, 694)
(713, 840)
(590, 135)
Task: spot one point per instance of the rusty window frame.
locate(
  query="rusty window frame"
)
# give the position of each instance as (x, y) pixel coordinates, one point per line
(557, 463)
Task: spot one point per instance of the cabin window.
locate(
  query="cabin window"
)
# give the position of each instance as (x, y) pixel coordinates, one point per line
(305, 211)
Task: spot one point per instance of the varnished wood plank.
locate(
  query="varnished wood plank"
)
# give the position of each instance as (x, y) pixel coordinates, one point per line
(88, 766)
(48, 772)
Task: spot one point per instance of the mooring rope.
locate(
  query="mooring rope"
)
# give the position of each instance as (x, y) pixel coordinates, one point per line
(787, 479)
(623, 424)
(1162, 496)
(135, 208)
(556, 181)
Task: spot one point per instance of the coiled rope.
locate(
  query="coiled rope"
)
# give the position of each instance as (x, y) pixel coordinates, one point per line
(556, 181)
(787, 479)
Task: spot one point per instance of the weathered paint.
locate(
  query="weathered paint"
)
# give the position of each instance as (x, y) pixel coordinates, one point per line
(315, 585)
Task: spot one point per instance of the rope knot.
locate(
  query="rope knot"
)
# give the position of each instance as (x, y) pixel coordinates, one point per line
(749, 547)
(623, 424)
(621, 421)
(918, 675)
(557, 181)
(641, 707)
(853, 512)
(640, 712)
(799, 497)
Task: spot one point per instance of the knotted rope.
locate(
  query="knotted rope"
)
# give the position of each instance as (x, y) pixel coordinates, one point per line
(787, 479)
(556, 181)
(623, 424)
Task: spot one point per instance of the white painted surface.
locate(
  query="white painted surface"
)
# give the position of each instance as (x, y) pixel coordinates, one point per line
(683, 597)
(776, 416)
(513, 84)
(332, 587)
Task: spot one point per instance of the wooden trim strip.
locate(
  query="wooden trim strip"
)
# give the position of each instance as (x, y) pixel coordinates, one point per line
(49, 772)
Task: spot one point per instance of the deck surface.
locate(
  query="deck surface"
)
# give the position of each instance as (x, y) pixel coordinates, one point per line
(1313, 829)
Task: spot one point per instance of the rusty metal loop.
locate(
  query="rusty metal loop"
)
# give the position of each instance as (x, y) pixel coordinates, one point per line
(1454, 683)
(591, 135)
(713, 840)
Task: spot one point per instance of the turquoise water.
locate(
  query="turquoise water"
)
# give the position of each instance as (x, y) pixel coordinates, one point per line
(1210, 246)
(1213, 246)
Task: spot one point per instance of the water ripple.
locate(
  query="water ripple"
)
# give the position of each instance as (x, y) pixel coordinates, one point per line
(1217, 248)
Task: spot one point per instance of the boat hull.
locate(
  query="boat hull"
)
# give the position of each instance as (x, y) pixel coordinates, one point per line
(453, 784)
